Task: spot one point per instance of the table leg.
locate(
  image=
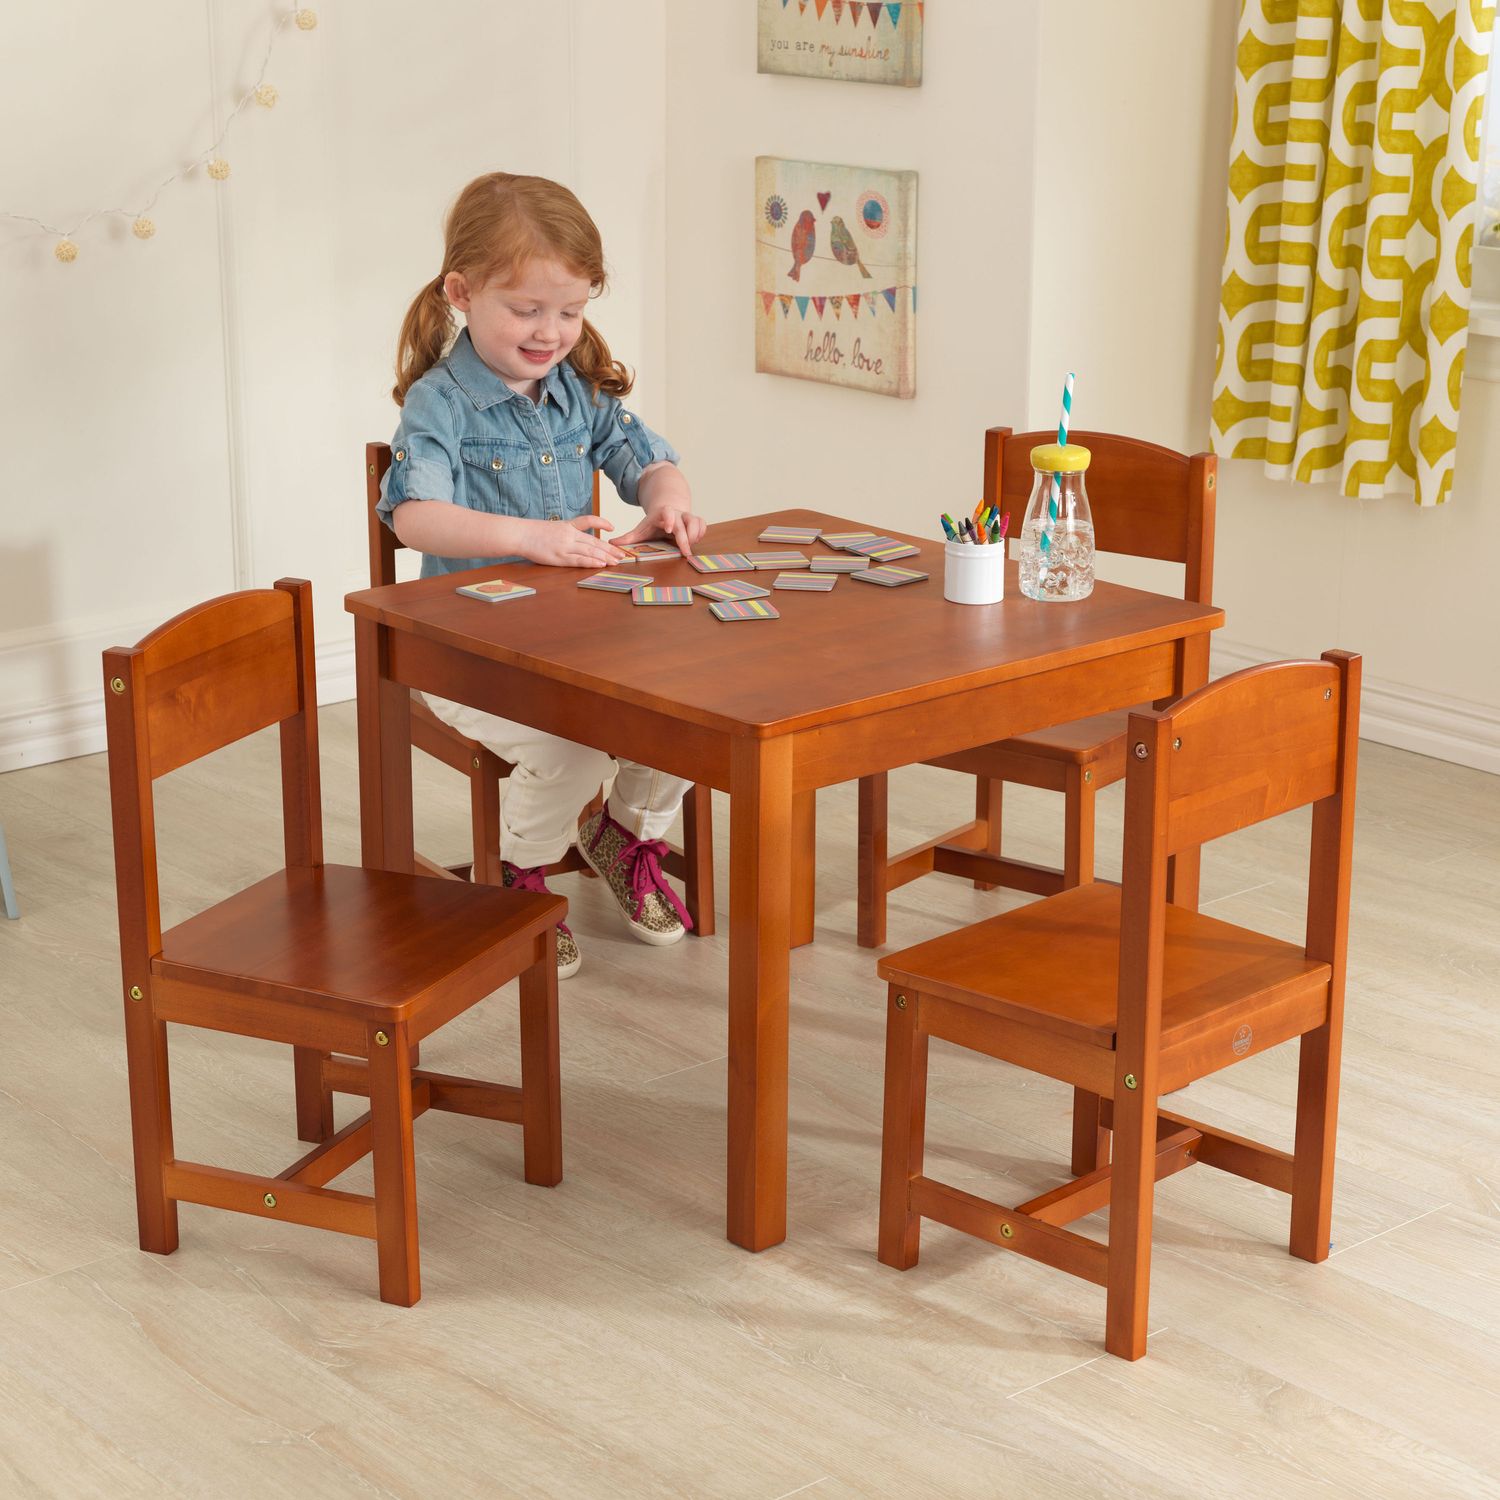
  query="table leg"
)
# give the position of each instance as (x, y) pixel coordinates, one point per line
(384, 715)
(760, 908)
(804, 866)
(1183, 869)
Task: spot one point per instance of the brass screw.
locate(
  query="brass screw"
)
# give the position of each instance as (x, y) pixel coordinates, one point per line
(900, 1002)
(1177, 744)
(1327, 694)
(269, 1200)
(1006, 1232)
(1210, 481)
(1130, 1080)
(1140, 750)
(475, 762)
(1088, 775)
(381, 1039)
(135, 992)
(372, 468)
(117, 684)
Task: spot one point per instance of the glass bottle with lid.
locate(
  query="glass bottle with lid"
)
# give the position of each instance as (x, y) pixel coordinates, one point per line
(1057, 536)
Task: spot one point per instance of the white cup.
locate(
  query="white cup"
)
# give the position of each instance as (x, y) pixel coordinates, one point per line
(974, 574)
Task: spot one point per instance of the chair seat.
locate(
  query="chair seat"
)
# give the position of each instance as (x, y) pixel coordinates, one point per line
(1055, 965)
(368, 943)
(1097, 741)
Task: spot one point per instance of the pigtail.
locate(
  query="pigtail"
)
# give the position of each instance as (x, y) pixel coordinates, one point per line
(425, 333)
(590, 356)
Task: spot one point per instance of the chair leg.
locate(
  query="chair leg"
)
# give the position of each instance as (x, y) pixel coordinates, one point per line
(541, 1091)
(1078, 828)
(1317, 1128)
(872, 860)
(150, 1126)
(698, 852)
(1132, 1189)
(989, 792)
(902, 1131)
(394, 1161)
(484, 816)
(1090, 1138)
(314, 1097)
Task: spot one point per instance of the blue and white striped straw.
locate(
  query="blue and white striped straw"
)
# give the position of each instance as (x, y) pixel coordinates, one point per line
(1054, 496)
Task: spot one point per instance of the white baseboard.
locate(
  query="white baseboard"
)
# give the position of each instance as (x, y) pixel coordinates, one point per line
(75, 726)
(1408, 718)
(1451, 729)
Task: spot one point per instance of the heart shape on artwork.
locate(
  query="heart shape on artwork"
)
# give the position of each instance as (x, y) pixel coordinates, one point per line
(823, 199)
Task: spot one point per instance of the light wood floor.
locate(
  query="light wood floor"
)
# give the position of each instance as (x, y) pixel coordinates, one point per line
(603, 1339)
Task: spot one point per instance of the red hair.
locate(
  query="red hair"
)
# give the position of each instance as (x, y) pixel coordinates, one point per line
(498, 224)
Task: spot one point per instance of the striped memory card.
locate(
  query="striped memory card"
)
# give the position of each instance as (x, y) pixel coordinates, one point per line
(840, 541)
(840, 564)
(797, 535)
(890, 578)
(721, 562)
(884, 549)
(731, 588)
(615, 583)
(761, 560)
(744, 609)
(660, 593)
(809, 583)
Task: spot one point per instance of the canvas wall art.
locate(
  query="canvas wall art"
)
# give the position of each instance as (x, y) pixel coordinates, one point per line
(848, 39)
(836, 274)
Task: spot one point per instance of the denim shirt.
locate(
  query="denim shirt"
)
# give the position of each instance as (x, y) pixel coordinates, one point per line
(466, 437)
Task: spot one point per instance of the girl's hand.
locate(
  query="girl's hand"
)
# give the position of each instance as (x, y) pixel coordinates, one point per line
(676, 522)
(570, 544)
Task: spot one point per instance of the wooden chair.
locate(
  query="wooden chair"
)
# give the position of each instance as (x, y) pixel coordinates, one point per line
(327, 958)
(693, 864)
(1126, 997)
(1147, 502)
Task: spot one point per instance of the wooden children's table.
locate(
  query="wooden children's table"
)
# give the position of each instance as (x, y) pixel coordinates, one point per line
(843, 685)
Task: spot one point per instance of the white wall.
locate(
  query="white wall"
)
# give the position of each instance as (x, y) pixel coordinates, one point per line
(186, 416)
(753, 442)
(1132, 164)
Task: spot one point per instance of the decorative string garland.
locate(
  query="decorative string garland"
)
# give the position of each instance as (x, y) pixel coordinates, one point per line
(142, 226)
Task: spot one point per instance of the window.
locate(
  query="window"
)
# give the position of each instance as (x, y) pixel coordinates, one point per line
(1488, 225)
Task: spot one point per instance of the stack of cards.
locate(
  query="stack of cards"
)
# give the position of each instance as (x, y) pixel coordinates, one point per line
(883, 549)
(495, 590)
(890, 578)
(649, 551)
(744, 609)
(615, 583)
(731, 588)
(840, 564)
(809, 583)
(722, 562)
(761, 560)
(657, 593)
(841, 541)
(797, 535)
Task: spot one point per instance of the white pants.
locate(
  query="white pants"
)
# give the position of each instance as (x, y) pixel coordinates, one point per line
(553, 780)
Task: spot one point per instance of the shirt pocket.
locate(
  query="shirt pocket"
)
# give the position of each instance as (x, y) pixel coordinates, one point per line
(575, 464)
(499, 477)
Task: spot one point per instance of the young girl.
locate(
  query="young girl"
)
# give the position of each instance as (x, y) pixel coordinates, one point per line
(493, 461)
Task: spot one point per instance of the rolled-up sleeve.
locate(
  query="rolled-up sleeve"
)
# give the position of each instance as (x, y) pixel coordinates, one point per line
(624, 446)
(424, 452)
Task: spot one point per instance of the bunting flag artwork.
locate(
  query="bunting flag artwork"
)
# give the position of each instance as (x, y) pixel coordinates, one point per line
(862, 41)
(831, 240)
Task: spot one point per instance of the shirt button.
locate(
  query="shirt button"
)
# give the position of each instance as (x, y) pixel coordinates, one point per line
(582, 449)
(626, 418)
(400, 454)
(546, 458)
(497, 463)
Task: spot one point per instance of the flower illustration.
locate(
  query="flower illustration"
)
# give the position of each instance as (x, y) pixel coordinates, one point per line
(776, 211)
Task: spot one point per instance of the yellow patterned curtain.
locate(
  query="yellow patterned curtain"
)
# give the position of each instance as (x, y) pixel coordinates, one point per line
(1351, 218)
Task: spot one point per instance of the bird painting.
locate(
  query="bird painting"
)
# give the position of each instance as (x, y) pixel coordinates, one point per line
(804, 242)
(845, 251)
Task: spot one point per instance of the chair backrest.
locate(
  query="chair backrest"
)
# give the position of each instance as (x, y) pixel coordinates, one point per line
(1147, 501)
(383, 541)
(208, 677)
(1241, 750)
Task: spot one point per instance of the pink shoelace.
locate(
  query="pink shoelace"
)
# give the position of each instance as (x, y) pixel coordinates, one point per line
(643, 857)
(534, 880)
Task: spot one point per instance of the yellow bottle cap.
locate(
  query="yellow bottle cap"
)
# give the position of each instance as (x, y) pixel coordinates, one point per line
(1060, 458)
